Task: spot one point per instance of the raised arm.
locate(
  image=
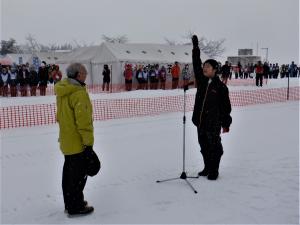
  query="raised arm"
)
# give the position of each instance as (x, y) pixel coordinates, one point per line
(197, 63)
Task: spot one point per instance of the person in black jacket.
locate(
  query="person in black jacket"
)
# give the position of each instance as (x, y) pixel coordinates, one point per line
(266, 70)
(43, 75)
(211, 112)
(240, 68)
(225, 72)
(23, 77)
(13, 82)
(4, 82)
(33, 80)
(106, 77)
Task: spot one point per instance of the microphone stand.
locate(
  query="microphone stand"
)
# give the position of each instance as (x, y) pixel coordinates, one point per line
(183, 175)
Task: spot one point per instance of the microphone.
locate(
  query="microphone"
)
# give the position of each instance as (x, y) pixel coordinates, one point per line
(186, 86)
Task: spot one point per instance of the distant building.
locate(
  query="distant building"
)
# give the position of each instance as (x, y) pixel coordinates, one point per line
(245, 57)
(246, 51)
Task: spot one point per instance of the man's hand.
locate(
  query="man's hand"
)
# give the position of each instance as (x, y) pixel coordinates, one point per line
(195, 40)
(225, 129)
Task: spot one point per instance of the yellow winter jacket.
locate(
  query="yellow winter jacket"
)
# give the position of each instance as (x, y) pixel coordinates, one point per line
(74, 116)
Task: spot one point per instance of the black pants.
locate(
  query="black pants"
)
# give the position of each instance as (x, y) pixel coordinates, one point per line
(175, 82)
(75, 172)
(259, 79)
(241, 75)
(211, 150)
(73, 181)
(107, 80)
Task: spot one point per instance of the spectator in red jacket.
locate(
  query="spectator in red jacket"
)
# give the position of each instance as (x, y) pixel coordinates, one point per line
(259, 70)
(175, 71)
(56, 74)
(128, 73)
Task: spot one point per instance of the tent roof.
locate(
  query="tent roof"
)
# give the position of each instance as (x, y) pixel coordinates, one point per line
(50, 57)
(135, 53)
(149, 53)
(82, 55)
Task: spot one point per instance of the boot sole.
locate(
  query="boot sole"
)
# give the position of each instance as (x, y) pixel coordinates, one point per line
(79, 215)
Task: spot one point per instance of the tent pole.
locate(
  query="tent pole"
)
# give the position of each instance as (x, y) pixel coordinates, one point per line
(92, 80)
(111, 79)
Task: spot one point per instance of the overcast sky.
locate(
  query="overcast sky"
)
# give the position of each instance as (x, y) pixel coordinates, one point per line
(243, 23)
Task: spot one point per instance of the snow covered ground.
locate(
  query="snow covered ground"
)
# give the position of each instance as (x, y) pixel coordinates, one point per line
(258, 183)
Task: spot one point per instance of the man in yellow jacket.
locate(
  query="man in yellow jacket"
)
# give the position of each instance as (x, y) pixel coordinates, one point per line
(76, 138)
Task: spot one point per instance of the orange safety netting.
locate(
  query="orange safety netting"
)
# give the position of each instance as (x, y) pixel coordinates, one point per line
(106, 109)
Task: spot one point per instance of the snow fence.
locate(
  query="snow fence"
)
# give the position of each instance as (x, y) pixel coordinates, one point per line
(116, 88)
(106, 109)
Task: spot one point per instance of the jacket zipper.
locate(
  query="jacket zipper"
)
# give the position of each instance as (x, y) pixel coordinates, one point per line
(204, 100)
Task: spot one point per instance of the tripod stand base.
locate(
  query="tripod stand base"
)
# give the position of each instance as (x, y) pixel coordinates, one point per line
(183, 176)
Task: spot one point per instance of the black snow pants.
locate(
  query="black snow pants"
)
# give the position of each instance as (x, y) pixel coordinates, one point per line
(259, 80)
(76, 169)
(211, 150)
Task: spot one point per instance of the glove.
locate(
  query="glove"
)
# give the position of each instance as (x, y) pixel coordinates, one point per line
(90, 148)
(225, 129)
(92, 162)
(195, 40)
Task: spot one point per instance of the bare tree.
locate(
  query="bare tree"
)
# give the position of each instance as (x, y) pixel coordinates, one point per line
(122, 39)
(66, 46)
(169, 41)
(76, 43)
(80, 44)
(212, 48)
(32, 44)
(9, 46)
(188, 37)
(209, 47)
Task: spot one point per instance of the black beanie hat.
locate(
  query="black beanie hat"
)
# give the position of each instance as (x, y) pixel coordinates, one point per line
(213, 63)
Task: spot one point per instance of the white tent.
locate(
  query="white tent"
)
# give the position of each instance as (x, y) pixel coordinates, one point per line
(117, 55)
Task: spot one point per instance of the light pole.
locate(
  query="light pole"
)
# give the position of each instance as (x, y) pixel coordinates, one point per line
(267, 53)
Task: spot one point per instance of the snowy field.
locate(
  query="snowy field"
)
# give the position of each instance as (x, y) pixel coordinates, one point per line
(258, 183)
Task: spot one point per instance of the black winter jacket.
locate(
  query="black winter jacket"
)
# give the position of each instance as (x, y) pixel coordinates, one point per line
(212, 104)
(2, 84)
(106, 75)
(33, 78)
(23, 77)
(43, 76)
(225, 70)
